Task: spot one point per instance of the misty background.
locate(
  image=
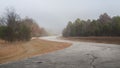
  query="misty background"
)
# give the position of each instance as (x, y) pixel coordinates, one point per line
(54, 15)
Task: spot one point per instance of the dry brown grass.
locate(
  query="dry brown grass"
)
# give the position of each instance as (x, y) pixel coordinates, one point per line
(20, 50)
(110, 40)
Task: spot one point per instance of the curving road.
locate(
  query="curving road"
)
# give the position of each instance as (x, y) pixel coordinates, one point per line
(79, 55)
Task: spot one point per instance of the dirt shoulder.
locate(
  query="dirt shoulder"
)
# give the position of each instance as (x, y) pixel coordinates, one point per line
(20, 50)
(110, 40)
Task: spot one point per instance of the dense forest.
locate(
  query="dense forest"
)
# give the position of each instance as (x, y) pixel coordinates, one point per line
(13, 28)
(103, 26)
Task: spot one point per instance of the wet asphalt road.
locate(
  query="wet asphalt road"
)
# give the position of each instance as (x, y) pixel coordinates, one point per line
(79, 55)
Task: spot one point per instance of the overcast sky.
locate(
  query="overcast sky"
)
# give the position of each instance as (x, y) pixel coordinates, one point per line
(55, 14)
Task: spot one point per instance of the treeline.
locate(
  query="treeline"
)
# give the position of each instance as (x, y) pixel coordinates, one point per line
(36, 30)
(13, 28)
(103, 26)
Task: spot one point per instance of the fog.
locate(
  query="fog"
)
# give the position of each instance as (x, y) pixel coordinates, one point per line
(55, 14)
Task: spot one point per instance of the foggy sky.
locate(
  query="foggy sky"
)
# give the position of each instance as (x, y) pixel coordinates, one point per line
(55, 14)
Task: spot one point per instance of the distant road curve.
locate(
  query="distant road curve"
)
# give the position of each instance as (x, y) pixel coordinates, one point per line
(79, 55)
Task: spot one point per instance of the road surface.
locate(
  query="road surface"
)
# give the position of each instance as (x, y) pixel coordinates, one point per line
(79, 55)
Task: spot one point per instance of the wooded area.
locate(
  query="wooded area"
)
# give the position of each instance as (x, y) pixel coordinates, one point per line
(103, 26)
(13, 28)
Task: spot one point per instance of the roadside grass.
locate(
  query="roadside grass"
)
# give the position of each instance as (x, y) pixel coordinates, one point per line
(21, 50)
(109, 40)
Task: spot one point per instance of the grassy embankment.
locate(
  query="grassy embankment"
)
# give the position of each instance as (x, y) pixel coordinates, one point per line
(110, 40)
(20, 50)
